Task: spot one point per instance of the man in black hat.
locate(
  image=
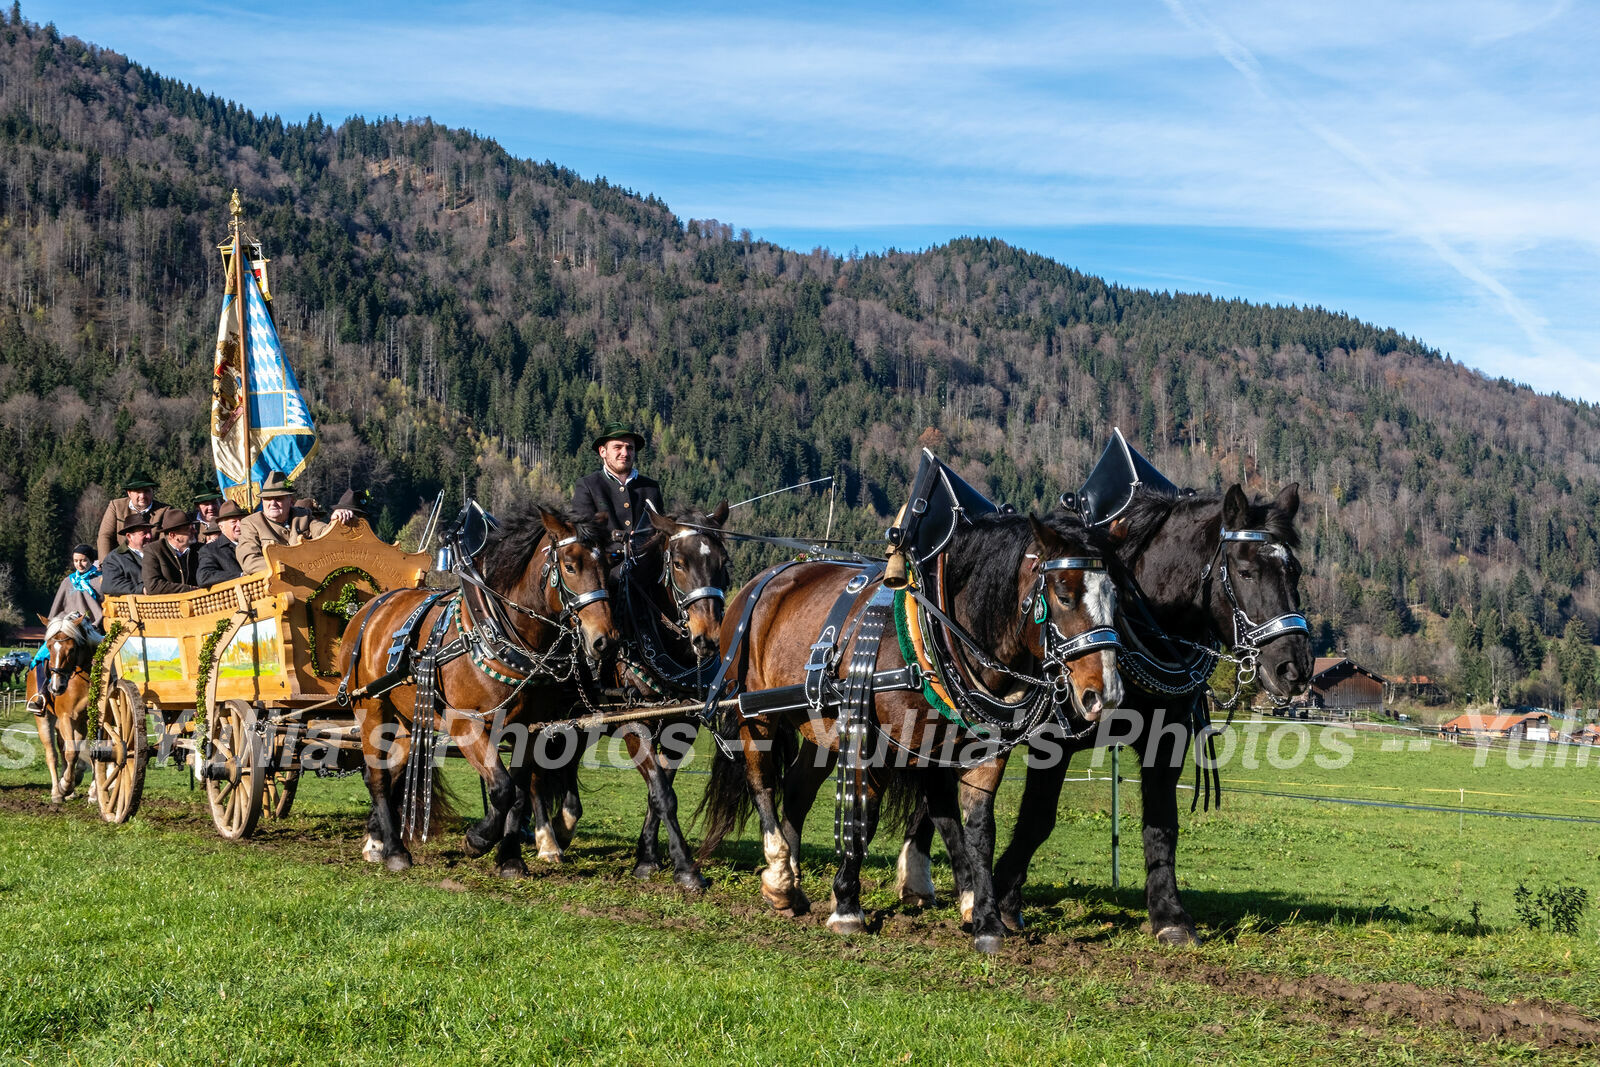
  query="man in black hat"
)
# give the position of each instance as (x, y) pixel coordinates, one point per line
(168, 563)
(279, 522)
(139, 500)
(122, 572)
(617, 496)
(219, 560)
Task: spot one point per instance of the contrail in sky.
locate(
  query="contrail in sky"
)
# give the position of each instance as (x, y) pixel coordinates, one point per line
(1242, 60)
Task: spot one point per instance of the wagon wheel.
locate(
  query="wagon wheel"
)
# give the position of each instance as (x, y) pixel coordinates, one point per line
(119, 756)
(234, 768)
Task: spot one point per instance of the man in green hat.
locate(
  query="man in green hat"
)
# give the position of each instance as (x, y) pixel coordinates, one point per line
(617, 494)
(206, 506)
(139, 500)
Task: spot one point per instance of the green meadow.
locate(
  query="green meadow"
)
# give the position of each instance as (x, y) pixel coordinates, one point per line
(1334, 931)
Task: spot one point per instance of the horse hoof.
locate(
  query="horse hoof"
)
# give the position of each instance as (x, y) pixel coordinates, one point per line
(988, 944)
(475, 845)
(552, 855)
(847, 924)
(693, 882)
(372, 850)
(1013, 921)
(1178, 934)
(400, 861)
(511, 871)
(911, 899)
(645, 871)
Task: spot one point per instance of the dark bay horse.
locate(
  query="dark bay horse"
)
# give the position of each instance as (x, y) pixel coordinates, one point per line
(1211, 569)
(1024, 592)
(671, 628)
(541, 610)
(61, 710)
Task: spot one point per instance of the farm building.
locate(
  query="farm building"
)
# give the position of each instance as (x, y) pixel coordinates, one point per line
(1529, 726)
(1342, 685)
(1589, 735)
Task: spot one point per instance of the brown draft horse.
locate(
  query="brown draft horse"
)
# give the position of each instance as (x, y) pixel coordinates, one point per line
(544, 577)
(672, 629)
(1004, 592)
(61, 711)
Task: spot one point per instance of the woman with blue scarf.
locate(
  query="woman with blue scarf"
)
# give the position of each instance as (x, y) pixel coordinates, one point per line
(80, 589)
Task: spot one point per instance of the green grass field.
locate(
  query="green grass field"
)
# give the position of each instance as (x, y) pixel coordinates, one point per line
(1334, 933)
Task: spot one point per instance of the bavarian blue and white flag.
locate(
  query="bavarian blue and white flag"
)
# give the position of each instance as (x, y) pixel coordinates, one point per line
(281, 436)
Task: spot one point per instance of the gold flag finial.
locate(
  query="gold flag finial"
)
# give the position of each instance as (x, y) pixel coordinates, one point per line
(235, 208)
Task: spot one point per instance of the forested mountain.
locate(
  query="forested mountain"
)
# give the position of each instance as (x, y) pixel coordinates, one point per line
(462, 316)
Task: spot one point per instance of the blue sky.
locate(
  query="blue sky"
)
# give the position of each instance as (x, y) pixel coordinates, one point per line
(1434, 167)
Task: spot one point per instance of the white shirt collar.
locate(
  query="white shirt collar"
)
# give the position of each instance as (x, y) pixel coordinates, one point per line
(632, 474)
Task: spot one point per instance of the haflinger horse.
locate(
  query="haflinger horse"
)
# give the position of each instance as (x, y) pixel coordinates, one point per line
(670, 628)
(1024, 595)
(1198, 572)
(61, 710)
(511, 648)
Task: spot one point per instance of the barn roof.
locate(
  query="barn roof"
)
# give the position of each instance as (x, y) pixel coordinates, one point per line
(1492, 723)
(1325, 664)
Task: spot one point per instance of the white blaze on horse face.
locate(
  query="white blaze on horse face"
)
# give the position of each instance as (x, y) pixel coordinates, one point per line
(1100, 596)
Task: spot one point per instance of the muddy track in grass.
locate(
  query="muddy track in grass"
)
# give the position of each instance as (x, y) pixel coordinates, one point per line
(1372, 1009)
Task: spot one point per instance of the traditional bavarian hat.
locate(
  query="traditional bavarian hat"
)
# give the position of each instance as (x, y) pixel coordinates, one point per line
(140, 521)
(276, 483)
(174, 519)
(231, 510)
(619, 431)
(210, 529)
(138, 480)
(353, 499)
(208, 497)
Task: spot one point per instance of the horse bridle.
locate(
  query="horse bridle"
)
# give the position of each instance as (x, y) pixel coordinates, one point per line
(572, 601)
(1058, 647)
(683, 598)
(1248, 636)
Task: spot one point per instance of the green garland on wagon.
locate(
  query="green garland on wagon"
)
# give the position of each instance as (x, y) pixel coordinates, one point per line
(208, 655)
(347, 604)
(97, 675)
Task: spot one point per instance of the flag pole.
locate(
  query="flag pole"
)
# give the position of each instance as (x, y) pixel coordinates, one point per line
(236, 209)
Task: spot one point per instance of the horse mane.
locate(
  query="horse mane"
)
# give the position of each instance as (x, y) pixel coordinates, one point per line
(521, 532)
(983, 560)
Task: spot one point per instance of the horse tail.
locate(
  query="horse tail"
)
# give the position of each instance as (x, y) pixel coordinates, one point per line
(728, 799)
(901, 800)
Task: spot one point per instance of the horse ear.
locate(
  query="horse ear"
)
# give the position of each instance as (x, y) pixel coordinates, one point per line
(720, 515)
(1047, 538)
(1235, 508)
(555, 526)
(1287, 502)
(660, 521)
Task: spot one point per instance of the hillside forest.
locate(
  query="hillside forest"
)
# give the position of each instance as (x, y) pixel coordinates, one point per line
(465, 321)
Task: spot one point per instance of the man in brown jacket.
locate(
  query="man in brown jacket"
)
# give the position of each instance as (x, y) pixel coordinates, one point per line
(168, 562)
(140, 500)
(279, 522)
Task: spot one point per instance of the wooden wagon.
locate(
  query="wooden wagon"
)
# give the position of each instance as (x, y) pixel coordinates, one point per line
(239, 679)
